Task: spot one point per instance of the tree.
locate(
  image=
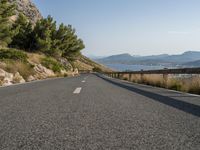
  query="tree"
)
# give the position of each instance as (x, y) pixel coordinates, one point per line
(6, 11)
(43, 34)
(56, 42)
(68, 42)
(23, 33)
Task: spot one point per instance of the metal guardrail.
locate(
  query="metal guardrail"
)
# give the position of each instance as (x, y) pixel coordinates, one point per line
(85, 71)
(164, 72)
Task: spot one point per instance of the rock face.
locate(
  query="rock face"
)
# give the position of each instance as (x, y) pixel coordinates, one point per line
(9, 79)
(18, 78)
(66, 63)
(42, 72)
(28, 9)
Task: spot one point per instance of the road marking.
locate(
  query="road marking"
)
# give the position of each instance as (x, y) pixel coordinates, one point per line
(83, 81)
(77, 90)
(85, 78)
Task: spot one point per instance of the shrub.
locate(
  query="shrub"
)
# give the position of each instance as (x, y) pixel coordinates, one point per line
(13, 54)
(97, 69)
(194, 86)
(52, 64)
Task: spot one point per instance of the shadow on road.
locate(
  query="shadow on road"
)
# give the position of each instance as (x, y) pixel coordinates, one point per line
(178, 104)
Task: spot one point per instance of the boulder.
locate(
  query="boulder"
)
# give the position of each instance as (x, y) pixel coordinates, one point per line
(9, 76)
(6, 78)
(66, 63)
(18, 78)
(42, 72)
(76, 71)
(6, 83)
(31, 78)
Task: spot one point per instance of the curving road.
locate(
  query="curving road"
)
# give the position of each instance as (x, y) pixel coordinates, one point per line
(93, 112)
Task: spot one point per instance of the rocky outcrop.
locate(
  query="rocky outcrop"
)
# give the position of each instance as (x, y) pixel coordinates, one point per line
(66, 63)
(42, 72)
(6, 78)
(9, 78)
(18, 78)
(28, 9)
(31, 78)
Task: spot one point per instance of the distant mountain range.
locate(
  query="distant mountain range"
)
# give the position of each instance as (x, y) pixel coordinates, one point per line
(186, 59)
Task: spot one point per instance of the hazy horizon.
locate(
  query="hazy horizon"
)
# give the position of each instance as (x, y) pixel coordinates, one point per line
(144, 54)
(136, 27)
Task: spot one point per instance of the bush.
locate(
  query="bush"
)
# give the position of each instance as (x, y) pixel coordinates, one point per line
(13, 54)
(52, 64)
(96, 69)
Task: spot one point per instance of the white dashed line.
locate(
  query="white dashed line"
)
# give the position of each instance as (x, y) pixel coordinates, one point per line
(83, 81)
(85, 78)
(77, 90)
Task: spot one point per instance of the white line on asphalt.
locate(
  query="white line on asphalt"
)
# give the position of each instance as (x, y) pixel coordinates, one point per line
(83, 81)
(77, 90)
(85, 77)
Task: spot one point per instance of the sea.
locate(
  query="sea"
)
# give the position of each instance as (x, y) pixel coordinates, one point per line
(125, 67)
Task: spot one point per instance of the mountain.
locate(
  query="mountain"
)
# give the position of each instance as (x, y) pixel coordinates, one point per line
(192, 64)
(28, 8)
(164, 59)
(122, 58)
(185, 57)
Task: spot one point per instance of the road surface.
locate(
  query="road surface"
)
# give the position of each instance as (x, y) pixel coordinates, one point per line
(94, 112)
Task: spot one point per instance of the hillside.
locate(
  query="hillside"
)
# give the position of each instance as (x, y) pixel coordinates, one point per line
(32, 54)
(163, 59)
(28, 8)
(192, 64)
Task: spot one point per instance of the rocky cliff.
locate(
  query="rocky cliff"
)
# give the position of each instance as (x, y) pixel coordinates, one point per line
(28, 8)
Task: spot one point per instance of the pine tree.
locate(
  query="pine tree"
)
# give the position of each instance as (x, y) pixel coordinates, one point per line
(68, 42)
(6, 11)
(43, 34)
(23, 29)
(75, 45)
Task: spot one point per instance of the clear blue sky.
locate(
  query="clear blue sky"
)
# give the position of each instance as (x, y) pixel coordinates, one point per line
(138, 27)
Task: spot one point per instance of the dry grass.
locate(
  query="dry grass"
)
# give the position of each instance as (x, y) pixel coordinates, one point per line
(25, 69)
(189, 84)
(81, 65)
(35, 58)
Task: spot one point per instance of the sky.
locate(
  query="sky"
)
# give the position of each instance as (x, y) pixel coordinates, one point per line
(137, 27)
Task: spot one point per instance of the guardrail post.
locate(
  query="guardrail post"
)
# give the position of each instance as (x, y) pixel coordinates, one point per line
(130, 77)
(141, 76)
(165, 79)
(120, 76)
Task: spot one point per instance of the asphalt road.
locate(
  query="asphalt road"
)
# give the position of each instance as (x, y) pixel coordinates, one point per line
(92, 112)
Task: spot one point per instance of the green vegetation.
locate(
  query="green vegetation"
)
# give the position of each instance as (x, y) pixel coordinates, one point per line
(46, 36)
(97, 69)
(23, 33)
(6, 11)
(52, 64)
(13, 54)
